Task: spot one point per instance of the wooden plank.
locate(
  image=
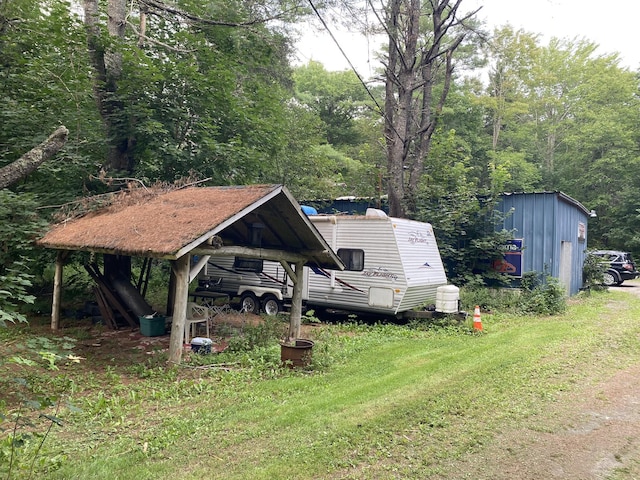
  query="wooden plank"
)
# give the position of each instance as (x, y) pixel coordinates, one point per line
(110, 297)
(105, 310)
(147, 274)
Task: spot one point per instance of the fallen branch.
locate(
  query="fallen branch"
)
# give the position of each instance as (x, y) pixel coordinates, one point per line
(35, 157)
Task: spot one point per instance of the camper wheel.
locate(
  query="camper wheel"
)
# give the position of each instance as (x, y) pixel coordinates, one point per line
(249, 303)
(271, 305)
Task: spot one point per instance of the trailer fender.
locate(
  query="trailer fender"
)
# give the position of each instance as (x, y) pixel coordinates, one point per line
(260, 291)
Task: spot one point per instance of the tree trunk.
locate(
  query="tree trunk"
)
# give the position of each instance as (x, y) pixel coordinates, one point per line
(411, 111)
(107, 65)
(400, 86)
(31, 160)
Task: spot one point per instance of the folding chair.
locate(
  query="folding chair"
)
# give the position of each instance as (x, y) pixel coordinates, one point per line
(195, 314)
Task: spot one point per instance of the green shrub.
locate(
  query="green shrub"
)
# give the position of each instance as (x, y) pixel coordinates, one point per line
(538, 294)
(500, 299)
(265, 333)
(592, 272)
(41, 396)
(19, 224)
(542, 296)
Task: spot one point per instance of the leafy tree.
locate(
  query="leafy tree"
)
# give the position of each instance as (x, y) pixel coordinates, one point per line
(601, 162)
(559, 77)
(538, 95)
(212, 114)
(44, 82)
(336, 97)
(461, 211)
(303, 165)
(355, 150)
(511, 53)
(189, 86)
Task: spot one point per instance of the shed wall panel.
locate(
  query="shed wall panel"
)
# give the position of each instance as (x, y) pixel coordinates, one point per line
(545, 220)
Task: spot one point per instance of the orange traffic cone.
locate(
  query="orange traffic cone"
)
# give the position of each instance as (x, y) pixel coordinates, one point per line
(477, 321)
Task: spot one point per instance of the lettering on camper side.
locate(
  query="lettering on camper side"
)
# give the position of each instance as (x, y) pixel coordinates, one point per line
(419, 237)
(379, 272)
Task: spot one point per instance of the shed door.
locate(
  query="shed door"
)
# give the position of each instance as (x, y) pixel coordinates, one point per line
(566, 254)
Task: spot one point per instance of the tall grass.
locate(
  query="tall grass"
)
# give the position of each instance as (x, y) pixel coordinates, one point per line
(382, 401)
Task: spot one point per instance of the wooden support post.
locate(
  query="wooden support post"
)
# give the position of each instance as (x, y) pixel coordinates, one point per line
(171, 292)
(180, 268)
(295, 315)
(57, 290)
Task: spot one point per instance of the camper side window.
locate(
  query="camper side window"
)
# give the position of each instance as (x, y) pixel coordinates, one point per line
(352, 258)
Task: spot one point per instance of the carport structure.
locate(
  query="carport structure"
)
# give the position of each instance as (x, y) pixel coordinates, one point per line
(256, 221)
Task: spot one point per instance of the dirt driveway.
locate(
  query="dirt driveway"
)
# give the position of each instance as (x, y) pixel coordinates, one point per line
(594, 435)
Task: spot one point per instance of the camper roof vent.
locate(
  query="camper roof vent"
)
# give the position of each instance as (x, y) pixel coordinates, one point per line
(374, 212)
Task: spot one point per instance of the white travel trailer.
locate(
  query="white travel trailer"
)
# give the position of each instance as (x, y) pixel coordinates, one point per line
(392, 265)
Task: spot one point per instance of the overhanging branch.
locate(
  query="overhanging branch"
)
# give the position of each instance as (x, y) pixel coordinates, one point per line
(207, 21)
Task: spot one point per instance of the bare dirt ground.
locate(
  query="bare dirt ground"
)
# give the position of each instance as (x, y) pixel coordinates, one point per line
(127, 346)
(593, 434)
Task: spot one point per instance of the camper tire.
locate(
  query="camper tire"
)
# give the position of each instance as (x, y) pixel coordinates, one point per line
(271, 305)
(249, 303)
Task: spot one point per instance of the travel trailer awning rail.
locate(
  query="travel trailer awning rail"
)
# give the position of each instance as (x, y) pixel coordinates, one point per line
(265, 254)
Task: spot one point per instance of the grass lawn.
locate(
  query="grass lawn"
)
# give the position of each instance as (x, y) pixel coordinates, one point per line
(380, 401)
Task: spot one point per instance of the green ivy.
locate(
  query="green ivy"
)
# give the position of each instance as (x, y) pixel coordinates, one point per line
(19, 225)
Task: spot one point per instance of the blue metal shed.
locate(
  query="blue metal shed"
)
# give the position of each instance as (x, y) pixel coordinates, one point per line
(552, 228)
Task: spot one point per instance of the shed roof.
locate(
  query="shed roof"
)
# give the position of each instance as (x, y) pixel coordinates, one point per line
(171, 224)
(560, 195)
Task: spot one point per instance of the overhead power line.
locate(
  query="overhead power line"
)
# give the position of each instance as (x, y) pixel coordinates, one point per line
(335, 40)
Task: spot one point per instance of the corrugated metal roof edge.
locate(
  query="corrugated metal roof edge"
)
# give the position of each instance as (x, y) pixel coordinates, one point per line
(562, 196)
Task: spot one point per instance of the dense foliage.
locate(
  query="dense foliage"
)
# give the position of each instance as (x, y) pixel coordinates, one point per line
(18, 227)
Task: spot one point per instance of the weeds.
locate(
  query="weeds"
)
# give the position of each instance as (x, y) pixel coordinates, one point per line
(593, 272)
(40, 398)
(382, 400)
(267, 332)
(490, 299)
(538, 295)
(542, 295)
(154, 368)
